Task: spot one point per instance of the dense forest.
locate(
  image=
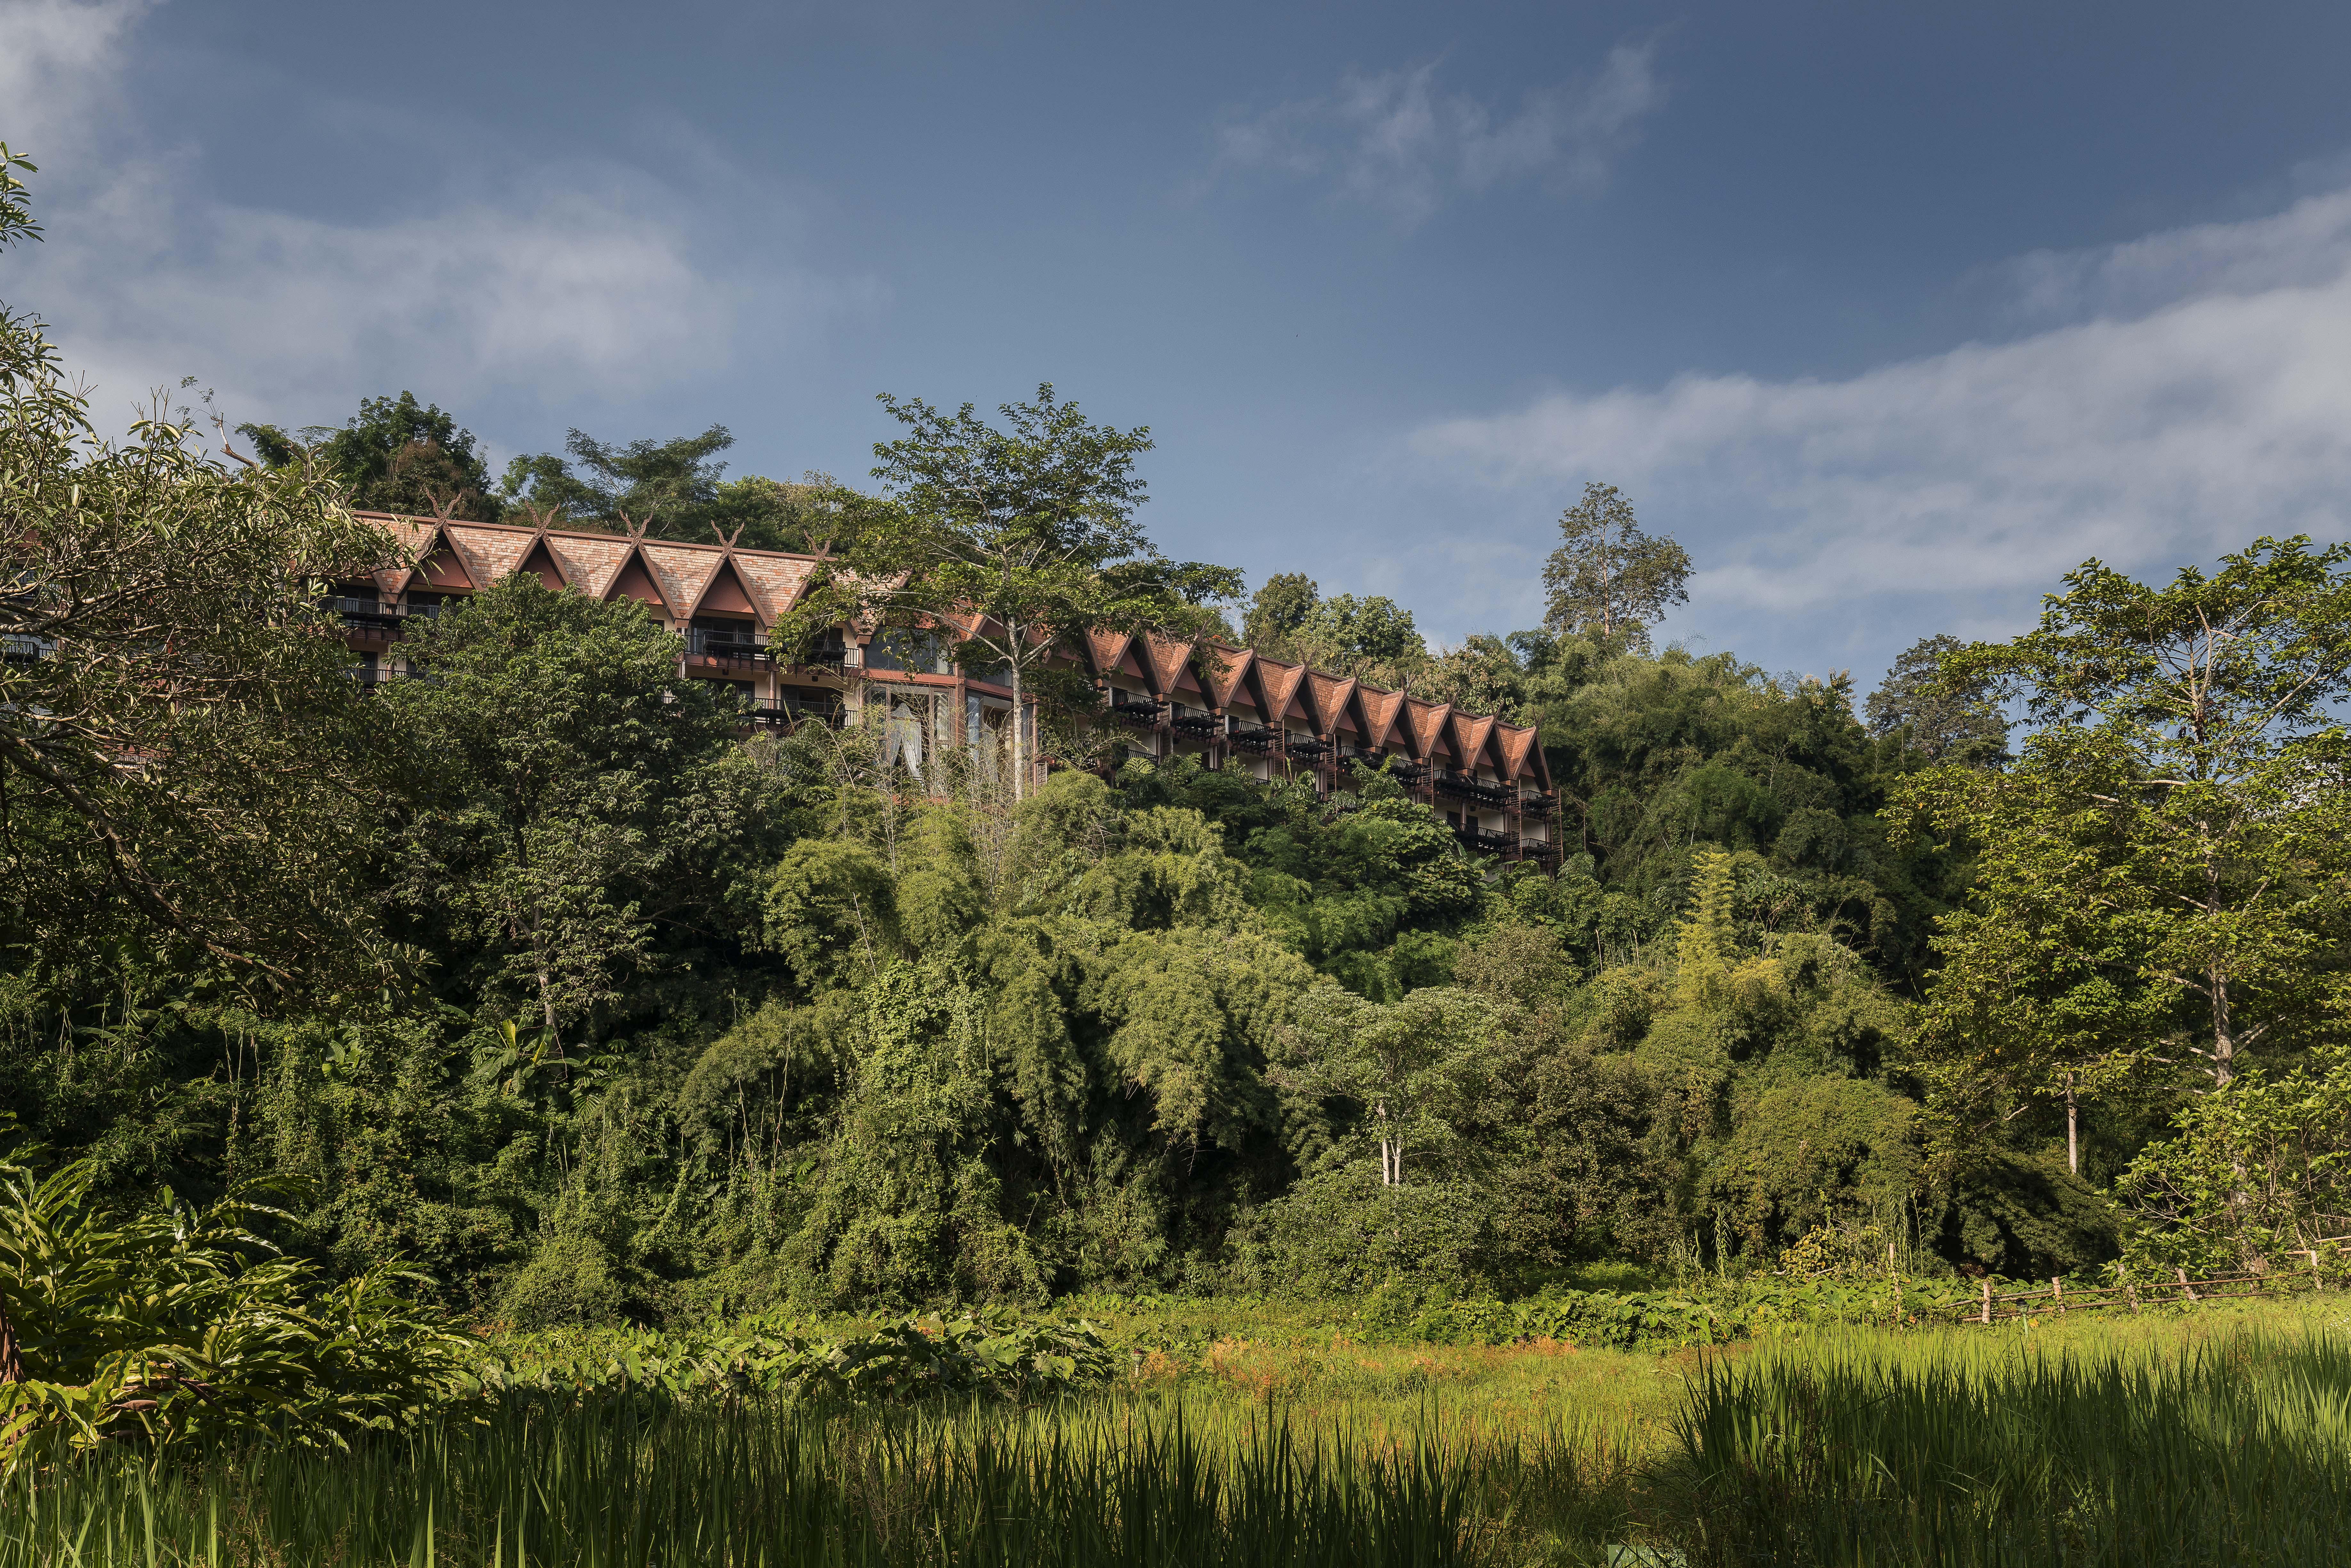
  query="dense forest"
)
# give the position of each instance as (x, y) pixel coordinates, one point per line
(539, 975)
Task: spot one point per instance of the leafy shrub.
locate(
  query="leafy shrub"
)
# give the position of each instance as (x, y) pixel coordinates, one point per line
(905, 1359)
(182, 1324)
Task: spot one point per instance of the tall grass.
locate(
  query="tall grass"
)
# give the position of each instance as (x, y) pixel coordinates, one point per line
(1953, 1451)
(622, 1480)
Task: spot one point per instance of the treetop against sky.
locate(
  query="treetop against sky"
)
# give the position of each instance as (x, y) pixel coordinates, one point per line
(1888, 318)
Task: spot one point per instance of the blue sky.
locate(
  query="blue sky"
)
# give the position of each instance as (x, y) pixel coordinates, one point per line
(1889, 313)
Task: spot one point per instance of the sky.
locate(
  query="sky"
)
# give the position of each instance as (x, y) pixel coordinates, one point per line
(1890, 314)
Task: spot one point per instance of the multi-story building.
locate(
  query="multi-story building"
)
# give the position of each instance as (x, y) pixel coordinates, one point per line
(1230, 708)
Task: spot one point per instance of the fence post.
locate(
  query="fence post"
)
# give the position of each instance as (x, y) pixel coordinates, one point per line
(2317, 1280)
(1986, 1298)
(2186, 1289)
(2130, 1293)
(2057, 1288)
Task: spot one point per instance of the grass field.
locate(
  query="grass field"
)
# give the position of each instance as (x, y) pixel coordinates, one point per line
(1247, 1434)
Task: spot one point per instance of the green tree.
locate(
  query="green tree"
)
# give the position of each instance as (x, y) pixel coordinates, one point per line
(570, 796)
(395, 455)
(1943, 722)
(1020, 538)
(1278, 609)
(2162, 875)
(1411, 1069)
(1607, 575)
(673, 486)
(183, 765)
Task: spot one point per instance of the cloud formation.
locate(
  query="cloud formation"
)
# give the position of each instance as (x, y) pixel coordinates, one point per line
(2196, 393)
(550, 281)
(1392, 141)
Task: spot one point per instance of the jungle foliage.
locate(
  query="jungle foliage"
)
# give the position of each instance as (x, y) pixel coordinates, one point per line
(534, 977)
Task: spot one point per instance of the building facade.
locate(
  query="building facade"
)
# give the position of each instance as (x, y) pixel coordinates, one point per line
(1229, 707)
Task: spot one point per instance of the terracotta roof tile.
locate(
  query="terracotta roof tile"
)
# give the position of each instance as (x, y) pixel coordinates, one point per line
(774, 582)
(1226, 668)
(1168, 658)
(1428, 723)
(1281, 681)
(589, 563)
(1382, 708)
(681, 571)
(1516, 743)
(1106, 648)
(487, 553)
(1327, 694)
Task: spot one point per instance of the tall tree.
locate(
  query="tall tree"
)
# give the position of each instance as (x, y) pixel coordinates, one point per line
(2163, 874)
(675, 485)
(1947, 723)
(183, 766)
(569, 797)
(1609, 576)
(1411, 1069)
(395, 455)
(1020, 538)
(1279, 611)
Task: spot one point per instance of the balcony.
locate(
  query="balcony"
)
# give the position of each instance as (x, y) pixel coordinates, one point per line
(18, 648)
(1255, 739)
(784, 714)
(1462, 787)
(732, 650)
(1142, 712)
(828, 662)
(1487, 839)
(1538, 806)
(1200, 725)
(1308, 746)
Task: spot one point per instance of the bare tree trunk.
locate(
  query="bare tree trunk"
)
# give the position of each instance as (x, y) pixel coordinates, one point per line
(11, 1363)
(2073, 1129)
(1019, 722)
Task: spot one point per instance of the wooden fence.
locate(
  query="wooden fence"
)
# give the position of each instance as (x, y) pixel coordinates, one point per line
(2001, 1306)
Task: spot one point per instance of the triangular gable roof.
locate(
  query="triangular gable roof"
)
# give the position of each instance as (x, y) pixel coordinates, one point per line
(1279, 684)
(412, 540)
(589, 563)
(636, 580)
(1469, 733)
(487, 553)
(681, 571)
(1380, 711)
(1327, 695)
(1427, 725)
(538, 559)
(1168, 661)
(1227, 667)
(1104, 649)
(725, 593)
(1516, 744)
(774, 582)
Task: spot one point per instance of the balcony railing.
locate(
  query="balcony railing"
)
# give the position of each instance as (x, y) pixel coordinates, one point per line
(1201, 724)
(1143, 713)
(1255, 738)
(17, 648)
(1538, 806)
(1487, 839)
(1462, 787)
(1312, 745)
(739, 648)
(788, 714)
(820, 661)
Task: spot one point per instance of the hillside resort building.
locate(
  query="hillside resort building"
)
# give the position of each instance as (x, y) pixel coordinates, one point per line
(1229, 707)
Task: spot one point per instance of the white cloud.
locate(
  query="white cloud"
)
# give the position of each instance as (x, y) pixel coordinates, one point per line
(1392, 141)
(559, 281)
(2197, 395)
